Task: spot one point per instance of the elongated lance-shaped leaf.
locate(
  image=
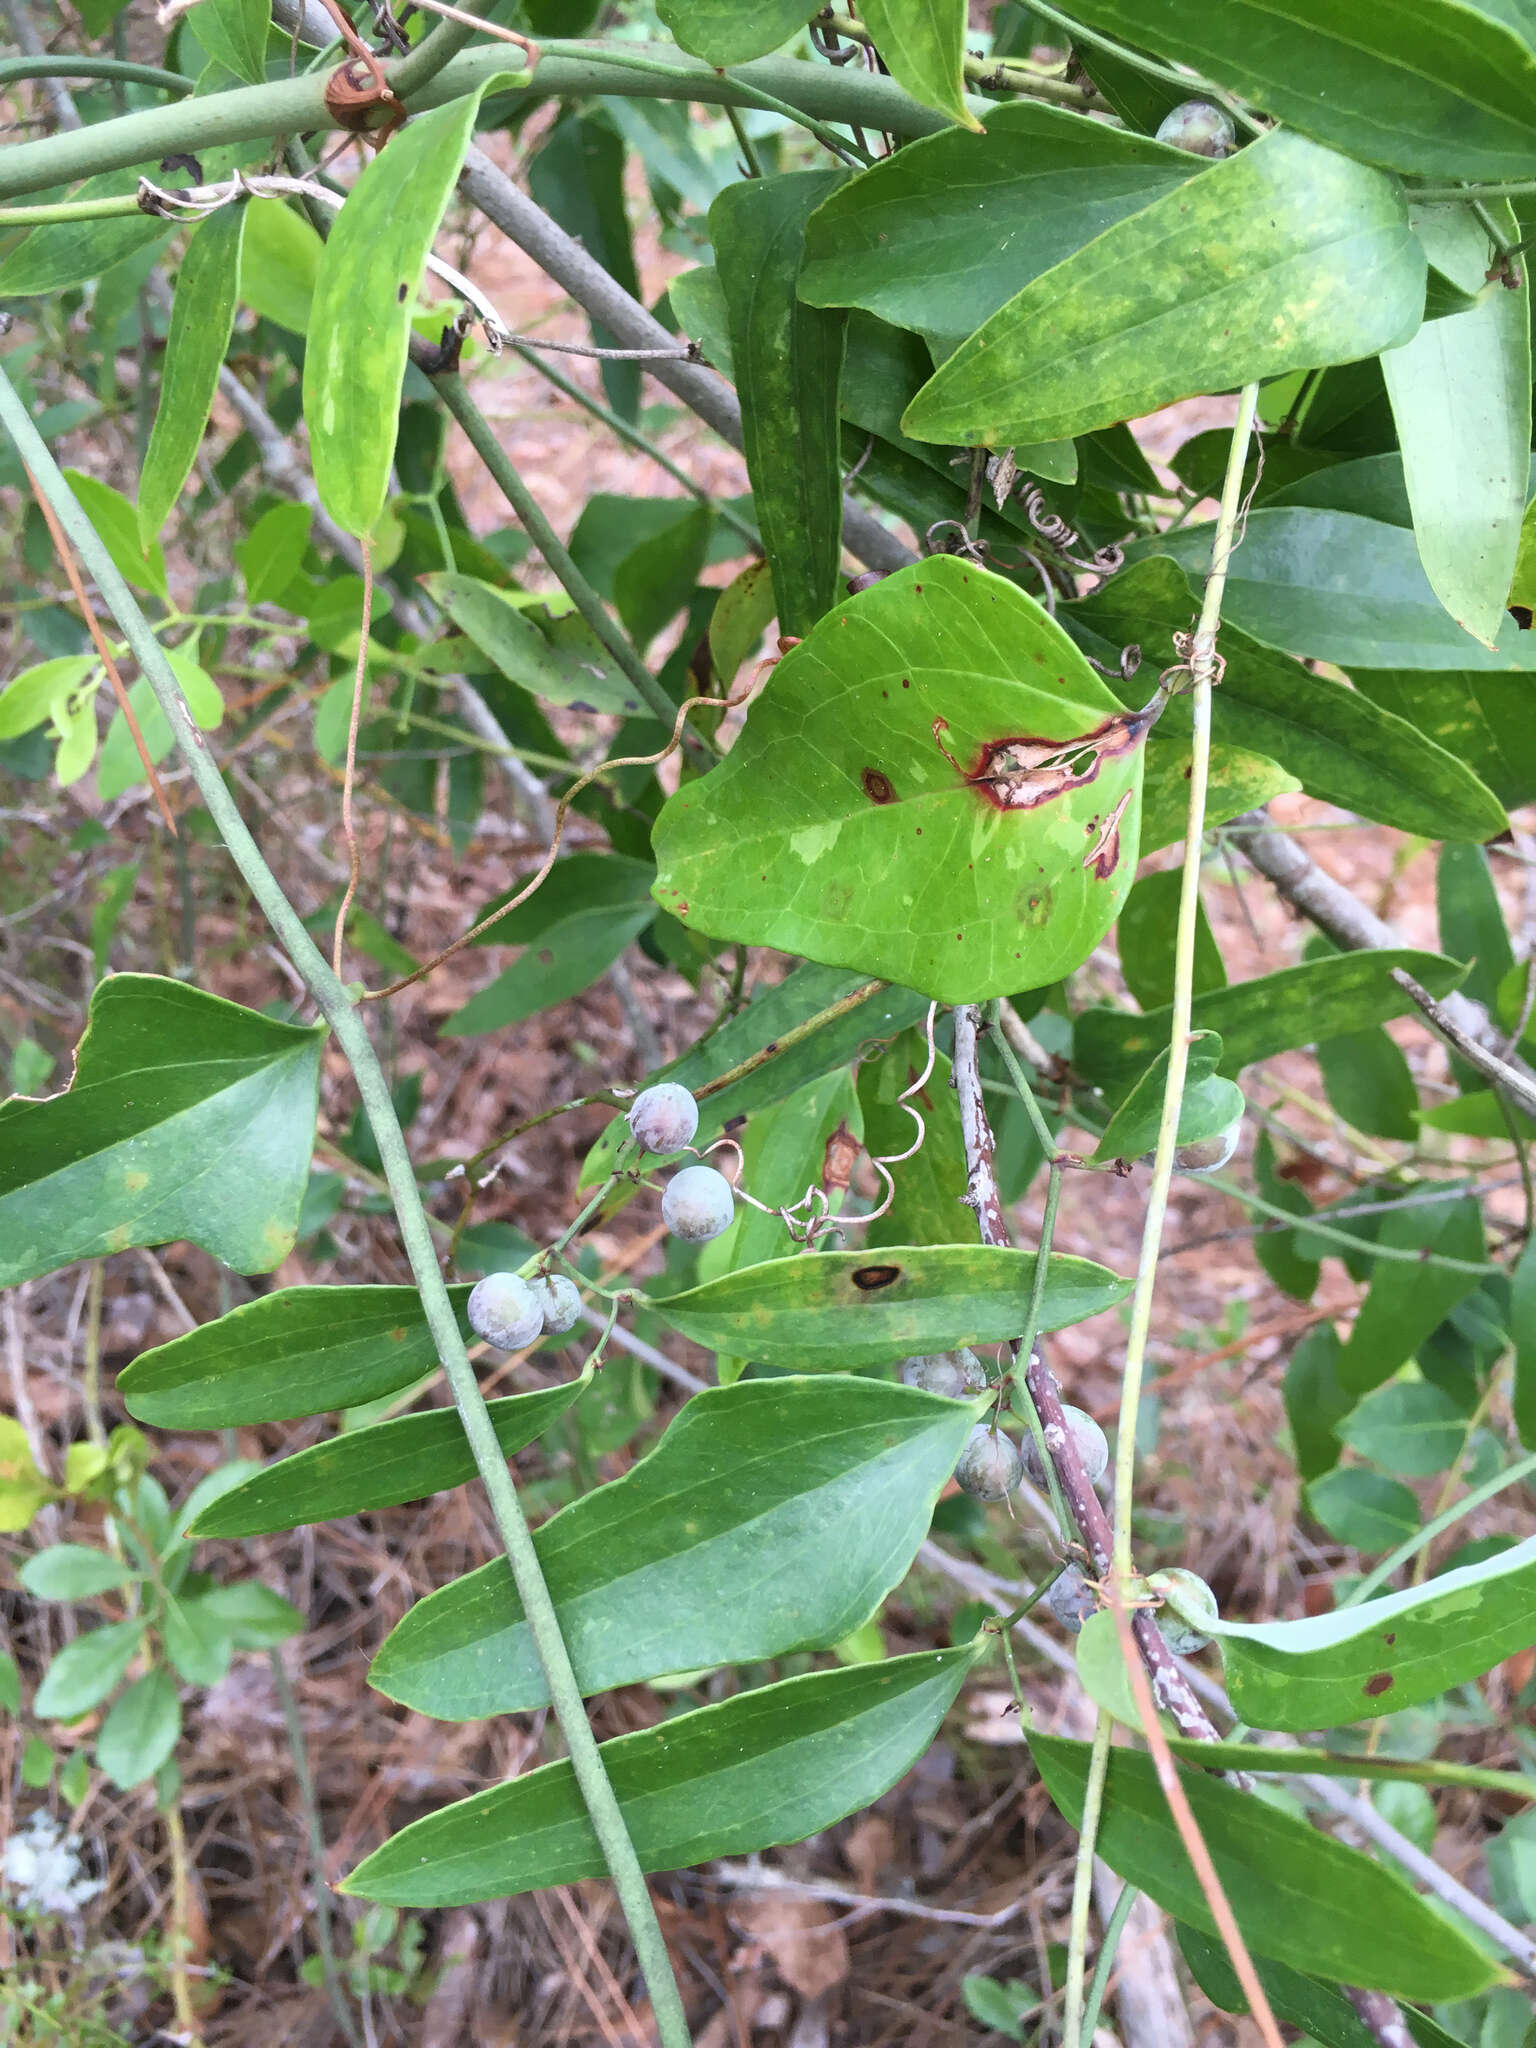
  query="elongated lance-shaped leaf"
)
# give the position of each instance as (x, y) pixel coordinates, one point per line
(1437, 86)
(1298, 1895)
(1321, 2010)
(844, 1309)
(302, 1351)
(1346, 749)
(187, 1116)
(922, 43)
(766, 1767)
(1461, 402)
(1327, 1670)
(942, 792)
(937, 237)
(360, 317)
(774, 1515)
(1271, 1013)
(1283, 257)
(202, 319)
(788, 358)
(378, 1467)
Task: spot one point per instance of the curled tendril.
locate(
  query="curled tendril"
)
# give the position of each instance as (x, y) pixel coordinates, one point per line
(964, 542)
(1130, 661)
(1065, 539)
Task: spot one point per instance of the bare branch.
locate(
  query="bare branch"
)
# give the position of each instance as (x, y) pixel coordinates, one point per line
(1487, 1063)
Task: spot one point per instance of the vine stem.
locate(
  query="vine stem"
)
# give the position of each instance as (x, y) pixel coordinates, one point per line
(415, 1229)
(1202, 670)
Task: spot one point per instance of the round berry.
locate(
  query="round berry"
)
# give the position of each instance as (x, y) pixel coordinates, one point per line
(1092, 1446)
(989, 1465)
(1209, 1155)
(504, 1310)
(1194, 1597)
(1200, 128)
(955, 1373)
(1071, 1600)
(698, 1204)
(559, 1303)
(663, 1118)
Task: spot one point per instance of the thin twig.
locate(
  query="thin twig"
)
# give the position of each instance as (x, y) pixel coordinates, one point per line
(298, 1750)
(1487, 1063)
(348, 829)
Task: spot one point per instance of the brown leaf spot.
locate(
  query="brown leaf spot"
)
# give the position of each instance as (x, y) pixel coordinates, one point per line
(877, 787)
(1025, 770)
(1382, 1682)
(869, 1279)
(1104, 855)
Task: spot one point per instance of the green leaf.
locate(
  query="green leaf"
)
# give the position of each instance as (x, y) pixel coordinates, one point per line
(1132, 1129)
(141, 1731)
(788, 358)
(724, 32)
(1145, 937)
(834, 1480)
(568, 957)
(382, 1466)
(37, 1762)
(1443, 86)
(1363, 1509)
(766, 1767)
(1522, 1330)
(279, 263)
(1333, 586)
(202, 320)
(939, 236)
(1471, 920)
(121, 766)
(249, 1614)
(931, 1186)
(742, 615)
(922, 43)
(139, 562)
(904, 818)
(579, 882)
(1382, 1655)
(1295, 1006)
(1408, 1427)
(1298, 1895)
(272, 553)
(302, 1351)
(1368, 1081)
(1281, 258)
(73, 1571)
(39, 693)
(1461, 402)
(1325, 2014)
(577, 176)
(1315, 1402)
(841, 1309)
(1408, 1302)
(1345, 749)
(86, 1670)
(23, 1488)
(187, 1117)
(196, 1642)
(360, 320)
(70, 252)
(10, 1684)
(234, 33)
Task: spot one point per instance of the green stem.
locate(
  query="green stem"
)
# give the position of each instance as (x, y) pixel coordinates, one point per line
(68, 209)
(1510, 188)
(998, 74)
(1073, 2034)
(1313, 1226)
(1106, 1961)
(455, 395)
(298, 1749)
(617, 424)
(64, 65)
(255, 113)
(439, 46)
(337, 1008)
(1406, 1551)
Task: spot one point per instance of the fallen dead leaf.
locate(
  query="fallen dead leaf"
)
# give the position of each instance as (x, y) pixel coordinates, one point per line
(809, 1951)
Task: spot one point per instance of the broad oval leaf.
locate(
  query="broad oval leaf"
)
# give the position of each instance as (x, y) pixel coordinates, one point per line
(302, 1351)
(1409, 1427)
(360, 316)
(922, 44)
(378, 1467)
(73, 1571)
(766, 1767)
(187, 1116)
(86, 1670)
(942, 792)
(1327, 1670)
(787, 359)
(1334, 586)
(841, 1309)
(937, 237)
(1271, 1013)
(1283, 257)
(1439, 86)
(1461, 402)
(724, 32)
(774, 1515)
(1298, 1895)
(1323, 2013)
(141, 1730)
(1346, 749)
(202, 319)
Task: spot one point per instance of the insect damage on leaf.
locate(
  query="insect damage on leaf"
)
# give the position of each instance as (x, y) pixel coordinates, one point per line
(1025, 771)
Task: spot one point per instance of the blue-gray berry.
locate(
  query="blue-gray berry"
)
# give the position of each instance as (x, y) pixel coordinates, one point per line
(1182, 1636)
(1092, 1447)
(953, 1373)
(559, 1303)
(504, 1310)
(1200, 128)
(698, 1204)
(989, 1464)
(663, 1118)
(1071, 1600)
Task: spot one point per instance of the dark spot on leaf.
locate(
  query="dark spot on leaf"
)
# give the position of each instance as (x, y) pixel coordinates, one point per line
(869, 1279)
(578, 705)
(1025, 770)
(397, 1336)
(1032, 907)
(546, 956)
(917, 590)
(1389, 1640)
(877, 787)
(1521, 614)
(402, 292)
(1104, 855)
(906, 682)
(734, 1123)
(772, 1045)
(1382, 1682)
